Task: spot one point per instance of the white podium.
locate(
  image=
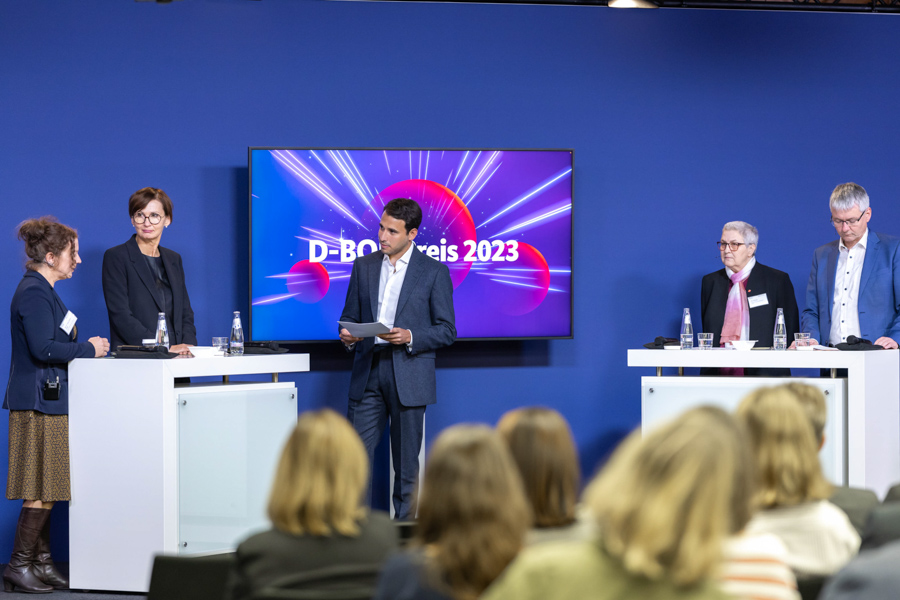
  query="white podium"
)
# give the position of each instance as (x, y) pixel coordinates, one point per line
(159, 467)
(862, 439)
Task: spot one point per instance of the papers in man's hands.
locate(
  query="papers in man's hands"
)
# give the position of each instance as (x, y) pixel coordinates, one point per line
(363, 330)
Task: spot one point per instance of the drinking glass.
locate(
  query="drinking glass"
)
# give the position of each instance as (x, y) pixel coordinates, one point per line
(801, 339)
(221, 345)
(704, 341)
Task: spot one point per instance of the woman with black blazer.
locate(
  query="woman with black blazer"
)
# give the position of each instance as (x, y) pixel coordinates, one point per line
(44, 340)
(142, 279)
(741, 301)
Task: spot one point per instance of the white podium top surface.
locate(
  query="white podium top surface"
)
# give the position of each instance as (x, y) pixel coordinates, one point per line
(203, 367)
(797, 359)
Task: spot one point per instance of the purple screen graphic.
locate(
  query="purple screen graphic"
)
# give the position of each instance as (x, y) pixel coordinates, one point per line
(501, 220)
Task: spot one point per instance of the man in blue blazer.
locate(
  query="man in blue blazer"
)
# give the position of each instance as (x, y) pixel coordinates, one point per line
(393, 377)
(854, 284)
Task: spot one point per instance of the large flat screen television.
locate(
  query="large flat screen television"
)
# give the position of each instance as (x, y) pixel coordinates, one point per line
(501, 220)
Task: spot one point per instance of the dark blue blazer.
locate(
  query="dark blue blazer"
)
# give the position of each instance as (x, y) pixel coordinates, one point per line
(40, 349)
(134, 302)
(879, 290)
(425, 307)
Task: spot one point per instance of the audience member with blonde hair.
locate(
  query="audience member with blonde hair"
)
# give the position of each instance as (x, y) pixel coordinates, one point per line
(541, 445)
(664, 504)
(792, 490)
(754, 565)
(473, 517)
(316, 510)
(857, 503)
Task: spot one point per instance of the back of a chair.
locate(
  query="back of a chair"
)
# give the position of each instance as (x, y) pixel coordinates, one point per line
(882, 527)
(190, 577)
(338, 582)
(810, 586)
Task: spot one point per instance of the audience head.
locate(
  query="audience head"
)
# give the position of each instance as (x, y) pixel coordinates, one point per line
(541, 445)
(321, 477)
(43, 236)
(473, 514)
(785, 448)
(666, 501)
(812, 400)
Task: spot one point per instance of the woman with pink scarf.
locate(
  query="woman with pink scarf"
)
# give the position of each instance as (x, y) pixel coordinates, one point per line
(740, 301)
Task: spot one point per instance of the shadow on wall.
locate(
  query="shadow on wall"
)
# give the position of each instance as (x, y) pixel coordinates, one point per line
(328, 356)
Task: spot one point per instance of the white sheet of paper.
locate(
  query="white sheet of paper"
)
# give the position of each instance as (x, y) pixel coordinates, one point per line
(758, 300)
(69, 322)
(363, 330)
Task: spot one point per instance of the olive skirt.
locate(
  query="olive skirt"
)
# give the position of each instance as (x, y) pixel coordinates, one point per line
(38, 457)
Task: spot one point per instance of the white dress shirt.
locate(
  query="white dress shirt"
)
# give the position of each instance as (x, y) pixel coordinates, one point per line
(845, 310)
(389, 286)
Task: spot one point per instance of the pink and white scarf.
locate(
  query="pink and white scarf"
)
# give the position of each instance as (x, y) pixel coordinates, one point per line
(737, 314)
(737, 309)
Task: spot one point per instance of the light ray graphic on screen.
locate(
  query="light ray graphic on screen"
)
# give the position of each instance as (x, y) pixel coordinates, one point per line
(504, 215)
(528, 196)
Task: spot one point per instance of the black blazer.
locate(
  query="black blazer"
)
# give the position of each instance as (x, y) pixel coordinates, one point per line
(40, 349)
(134, 302)
(776, 285)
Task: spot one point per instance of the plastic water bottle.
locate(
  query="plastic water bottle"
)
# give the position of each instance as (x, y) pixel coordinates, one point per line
(162, 332)
(779, 336)
(687, 331)
(237, 335)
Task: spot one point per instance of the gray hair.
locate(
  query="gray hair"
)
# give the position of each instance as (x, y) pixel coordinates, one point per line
(747, 231)
(846, 195)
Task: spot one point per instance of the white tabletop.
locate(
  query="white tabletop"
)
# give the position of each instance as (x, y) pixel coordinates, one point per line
(249, 364)
(797, 359)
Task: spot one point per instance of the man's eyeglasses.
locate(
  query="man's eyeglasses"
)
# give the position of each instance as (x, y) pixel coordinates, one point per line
(850, 222)
(733, 245)
(140, 217)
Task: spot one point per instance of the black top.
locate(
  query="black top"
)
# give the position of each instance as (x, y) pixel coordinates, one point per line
(158, 270)
(768, 285)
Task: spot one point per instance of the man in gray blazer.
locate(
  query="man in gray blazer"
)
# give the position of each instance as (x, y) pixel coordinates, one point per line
(393, 377)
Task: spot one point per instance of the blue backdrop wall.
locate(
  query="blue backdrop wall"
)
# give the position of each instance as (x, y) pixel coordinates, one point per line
(680, 121)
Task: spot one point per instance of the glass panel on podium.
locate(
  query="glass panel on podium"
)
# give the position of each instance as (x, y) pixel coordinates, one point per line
(229, 444)
(663, 398)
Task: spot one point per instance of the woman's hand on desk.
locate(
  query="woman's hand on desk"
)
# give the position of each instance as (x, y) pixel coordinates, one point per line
(181, 348)
(101, 346)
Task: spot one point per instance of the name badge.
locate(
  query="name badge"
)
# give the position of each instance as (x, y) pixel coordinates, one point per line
(69, 322)
(760, 300)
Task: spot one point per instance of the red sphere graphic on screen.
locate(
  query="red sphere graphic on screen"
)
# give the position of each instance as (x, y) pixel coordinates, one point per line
(308, 281)
(446, 221)
(524, 287)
